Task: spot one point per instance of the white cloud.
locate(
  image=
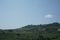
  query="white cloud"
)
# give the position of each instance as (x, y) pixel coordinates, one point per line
(49, 16)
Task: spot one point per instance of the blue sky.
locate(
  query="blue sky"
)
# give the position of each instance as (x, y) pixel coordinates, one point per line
(18, 13)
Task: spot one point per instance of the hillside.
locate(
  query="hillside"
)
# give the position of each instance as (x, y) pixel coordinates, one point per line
(33, 32)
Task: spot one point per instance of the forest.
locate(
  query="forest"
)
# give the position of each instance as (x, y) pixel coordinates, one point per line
(49, 31)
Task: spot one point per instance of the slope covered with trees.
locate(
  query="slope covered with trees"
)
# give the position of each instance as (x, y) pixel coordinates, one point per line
(33, 32)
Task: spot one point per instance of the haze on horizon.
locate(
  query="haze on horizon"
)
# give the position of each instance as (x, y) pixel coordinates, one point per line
(18, 13)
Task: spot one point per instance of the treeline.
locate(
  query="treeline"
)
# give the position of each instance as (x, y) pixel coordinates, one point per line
(33, 32)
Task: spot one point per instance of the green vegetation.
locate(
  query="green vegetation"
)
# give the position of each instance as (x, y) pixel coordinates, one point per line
(33, 32)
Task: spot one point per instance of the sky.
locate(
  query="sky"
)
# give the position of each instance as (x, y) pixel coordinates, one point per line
(19, 13)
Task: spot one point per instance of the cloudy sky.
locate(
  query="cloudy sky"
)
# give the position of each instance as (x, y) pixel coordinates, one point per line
(18, 13)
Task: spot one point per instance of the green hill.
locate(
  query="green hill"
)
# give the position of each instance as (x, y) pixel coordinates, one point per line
(33, 32)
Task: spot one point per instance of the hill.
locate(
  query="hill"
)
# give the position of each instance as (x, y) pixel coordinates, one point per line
(33, 32)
